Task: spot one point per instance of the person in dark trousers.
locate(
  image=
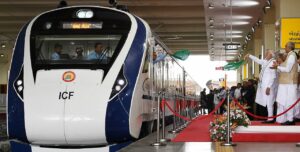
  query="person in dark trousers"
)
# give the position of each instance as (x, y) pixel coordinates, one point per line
(203, 100)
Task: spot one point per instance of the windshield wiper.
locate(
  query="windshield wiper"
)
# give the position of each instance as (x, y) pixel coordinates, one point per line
(40, 55)
(103, 56)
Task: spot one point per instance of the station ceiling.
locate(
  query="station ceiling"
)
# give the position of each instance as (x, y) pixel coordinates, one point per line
(181, 24)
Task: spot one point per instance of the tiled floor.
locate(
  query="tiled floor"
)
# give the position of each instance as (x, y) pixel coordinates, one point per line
(144, 145)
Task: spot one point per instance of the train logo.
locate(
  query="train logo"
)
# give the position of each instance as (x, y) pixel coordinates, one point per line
(69, 76)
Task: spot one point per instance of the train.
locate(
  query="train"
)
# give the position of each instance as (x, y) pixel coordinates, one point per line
(61, 97)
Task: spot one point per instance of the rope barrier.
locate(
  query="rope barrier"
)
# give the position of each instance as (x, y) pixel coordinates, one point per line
(188, 119)
(216, 108)
(262, 117)
(175, 113)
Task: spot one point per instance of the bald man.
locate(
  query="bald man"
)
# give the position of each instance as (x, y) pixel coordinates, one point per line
(266, 89)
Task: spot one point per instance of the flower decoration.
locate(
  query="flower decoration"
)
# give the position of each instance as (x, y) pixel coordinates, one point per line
(218, 126)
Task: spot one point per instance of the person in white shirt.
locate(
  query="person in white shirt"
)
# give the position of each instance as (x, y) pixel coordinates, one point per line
(287, 88)
(266, 89)
(238, 91)
(56, 55)
(99, 53)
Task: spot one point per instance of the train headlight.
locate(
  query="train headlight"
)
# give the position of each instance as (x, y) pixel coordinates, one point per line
(84, 13)
(19, 84)
(119, 84)
(118, 88)
(20, 88)
(48, 25)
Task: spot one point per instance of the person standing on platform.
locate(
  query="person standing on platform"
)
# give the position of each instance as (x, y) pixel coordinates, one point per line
(266, 89)
(238, 92)
(203, 101)
(287, 89)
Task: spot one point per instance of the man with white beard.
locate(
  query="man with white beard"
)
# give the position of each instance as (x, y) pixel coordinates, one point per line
(266, 89)
(287, 89)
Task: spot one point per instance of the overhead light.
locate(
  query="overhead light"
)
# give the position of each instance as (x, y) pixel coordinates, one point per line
(211, 38)
(211, 20)
(1, 55)
(253, 29)
(247, 38)
(239, 23)
(267, 7)
(3, 45)
(211, 25)
(236, 36)
(211, 6)
(241, 17)
(233, 32)
(244, 3)
(212, 44)
(176, 37)
(211, 34)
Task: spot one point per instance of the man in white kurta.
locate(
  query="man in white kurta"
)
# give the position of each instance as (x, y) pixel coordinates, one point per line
(287, 89)
(266, 89)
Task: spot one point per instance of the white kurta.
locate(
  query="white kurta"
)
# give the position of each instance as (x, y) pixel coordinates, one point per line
(287, 94)
(268, 79)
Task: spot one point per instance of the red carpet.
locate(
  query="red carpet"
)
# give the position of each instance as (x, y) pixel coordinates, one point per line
(197, 131)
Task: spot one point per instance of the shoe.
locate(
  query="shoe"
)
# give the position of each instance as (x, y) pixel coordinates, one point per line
(288, 123)
(268, 121)
(297, 119)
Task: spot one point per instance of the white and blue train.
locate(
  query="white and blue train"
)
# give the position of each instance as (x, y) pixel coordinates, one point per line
(76, 101)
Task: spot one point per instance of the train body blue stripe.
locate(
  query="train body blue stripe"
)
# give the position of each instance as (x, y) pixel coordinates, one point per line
(117, 118)
(19, 147)
(15, 107)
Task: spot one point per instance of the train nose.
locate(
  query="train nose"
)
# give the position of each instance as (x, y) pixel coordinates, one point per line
(73, 112)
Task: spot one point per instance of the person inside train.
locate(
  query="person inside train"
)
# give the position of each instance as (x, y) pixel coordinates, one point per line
(79, 53)
(56, 55)
(98, 53)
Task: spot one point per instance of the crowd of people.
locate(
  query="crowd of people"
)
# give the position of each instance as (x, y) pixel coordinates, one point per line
(274, 92)
(244, 93)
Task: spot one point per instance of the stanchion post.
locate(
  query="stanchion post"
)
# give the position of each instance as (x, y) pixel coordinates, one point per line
(163, 138)
(174, 130)
(180, 121)
(156, 94)
(228, 142)
(158, 142)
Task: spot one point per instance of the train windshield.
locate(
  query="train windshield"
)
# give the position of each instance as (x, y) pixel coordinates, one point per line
(75, 49)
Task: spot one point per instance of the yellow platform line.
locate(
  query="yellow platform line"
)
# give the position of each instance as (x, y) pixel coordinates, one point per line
(220, 148)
